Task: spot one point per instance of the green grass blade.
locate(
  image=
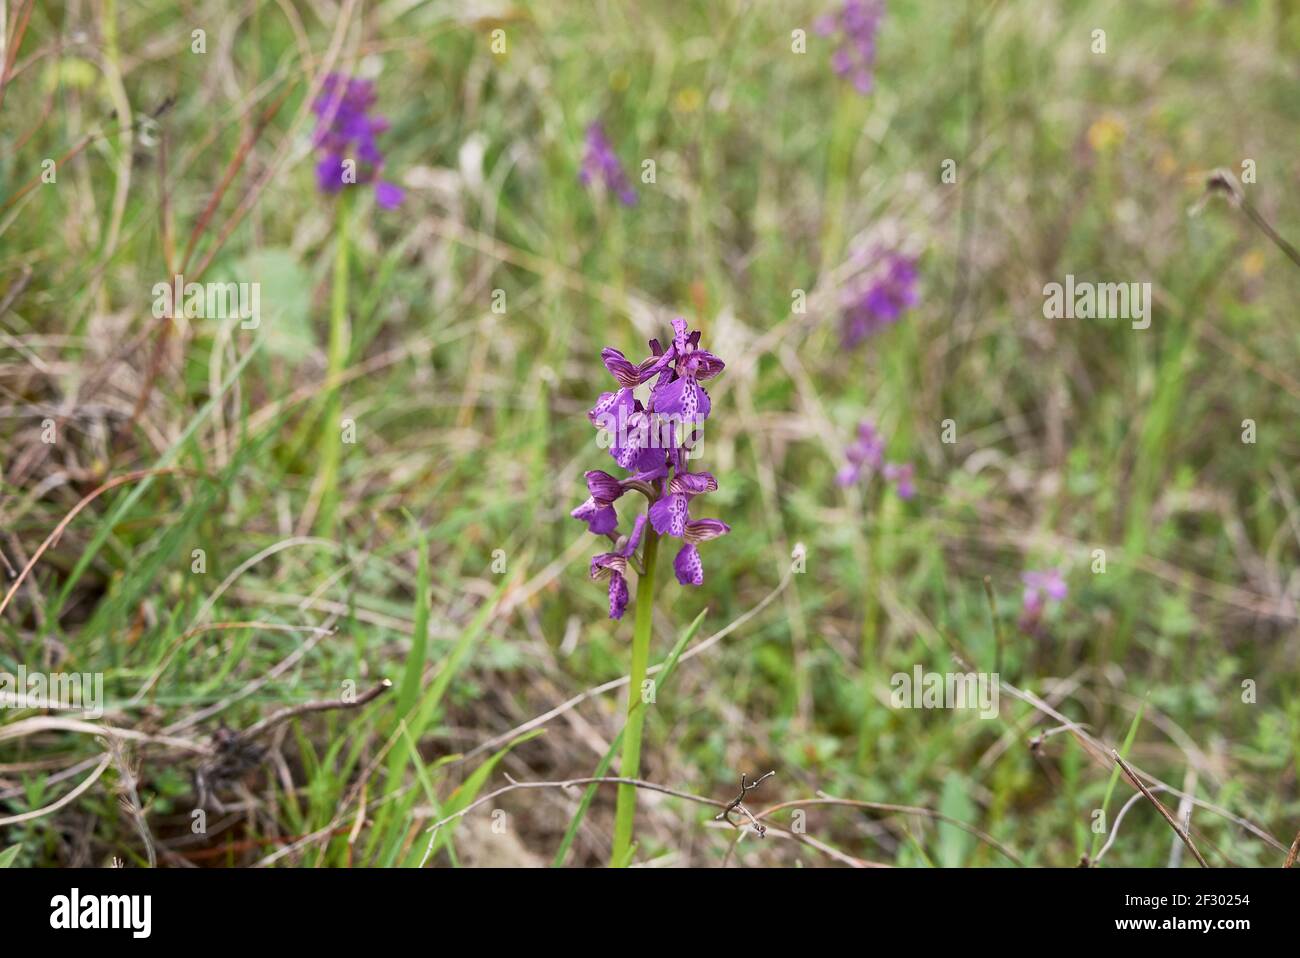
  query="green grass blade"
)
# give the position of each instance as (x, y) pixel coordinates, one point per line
(1114, 772)
(410, 686)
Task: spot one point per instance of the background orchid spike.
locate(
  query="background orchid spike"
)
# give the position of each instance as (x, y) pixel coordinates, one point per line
(887, 291)
(345, 133)
(1040, 588)
(600, 164)
(866, 457)
(856, 22)
(647, 442)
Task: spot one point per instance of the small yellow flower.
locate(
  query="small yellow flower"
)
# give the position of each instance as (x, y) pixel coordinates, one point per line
(1105, 133)
(689, 99)
(1252, 264)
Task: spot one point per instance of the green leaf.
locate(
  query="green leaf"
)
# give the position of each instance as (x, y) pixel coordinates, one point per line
(410, 687)
(284, 300)
(1114, 772)
(8, 855)
(464, 645)
(955, 843)
(124, 505)
(468, 790)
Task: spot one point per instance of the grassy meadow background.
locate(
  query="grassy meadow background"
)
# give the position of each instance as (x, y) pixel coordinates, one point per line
(452, 567)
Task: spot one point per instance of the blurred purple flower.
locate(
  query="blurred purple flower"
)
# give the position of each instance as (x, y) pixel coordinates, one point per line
(866, 455)
(345, 138)
(648, 441)
(888, 291)
(600, 164)
(856, 22)
(1040, 588)
(901, 476)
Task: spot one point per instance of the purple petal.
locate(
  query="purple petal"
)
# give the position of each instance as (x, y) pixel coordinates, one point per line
(693, 483)
(635, 446)
(617, 596)
(600, 517)
(682, 397)
(603, 486)
(679, 335)
(656, 363)
(635, 538)
(702, 530)
(604, 522)
(388, 195)
(687, 565)
(621, 368)
(668, 515)
(704, 365)
(607, 563)
(609, 407)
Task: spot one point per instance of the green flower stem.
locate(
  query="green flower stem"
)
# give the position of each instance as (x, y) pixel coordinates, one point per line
(330, 438)
(625, 809)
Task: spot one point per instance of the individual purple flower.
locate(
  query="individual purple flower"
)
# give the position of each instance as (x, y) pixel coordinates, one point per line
(613, 566)
(600, 164)
(1040, 588)
(866, 457)
(345, 139)
(880, 299)
(856, 22)
(598, 511)
(649, 442)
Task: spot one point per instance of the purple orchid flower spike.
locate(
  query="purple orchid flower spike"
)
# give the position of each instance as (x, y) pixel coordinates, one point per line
(647, 441)
(866, 457)
(613, 566)
(1040, 588)
(345, 139)
(600, 165)
(880, 301)
(857, 22)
